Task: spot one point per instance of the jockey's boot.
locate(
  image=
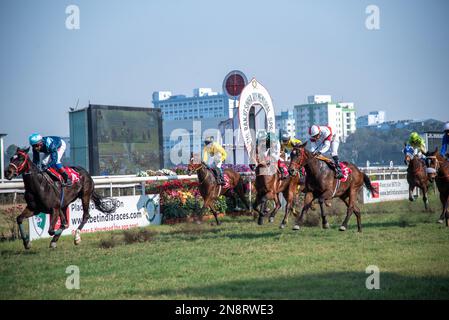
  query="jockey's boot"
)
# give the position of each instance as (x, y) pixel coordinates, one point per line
(67, 180)
(221, 180)
(338, 173)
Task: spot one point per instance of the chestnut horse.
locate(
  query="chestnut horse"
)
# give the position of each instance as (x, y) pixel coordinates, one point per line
(43, 195)
(438, 171)
(210, 190)
(268, 187)
(417, 177)
(321, 184)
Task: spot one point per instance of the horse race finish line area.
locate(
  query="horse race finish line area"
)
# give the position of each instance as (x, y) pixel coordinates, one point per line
(242, 260)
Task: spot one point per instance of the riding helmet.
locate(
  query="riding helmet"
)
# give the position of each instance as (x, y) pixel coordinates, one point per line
(35, 138)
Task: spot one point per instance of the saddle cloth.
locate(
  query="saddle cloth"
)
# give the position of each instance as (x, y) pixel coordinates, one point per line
(226, 178)
(74, 175)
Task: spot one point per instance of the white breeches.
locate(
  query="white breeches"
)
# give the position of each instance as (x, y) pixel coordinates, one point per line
(215, 161)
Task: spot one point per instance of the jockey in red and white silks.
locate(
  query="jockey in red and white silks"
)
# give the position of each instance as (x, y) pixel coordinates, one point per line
(322, 140)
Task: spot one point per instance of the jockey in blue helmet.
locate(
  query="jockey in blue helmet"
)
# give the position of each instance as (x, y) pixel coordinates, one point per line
(53, 148)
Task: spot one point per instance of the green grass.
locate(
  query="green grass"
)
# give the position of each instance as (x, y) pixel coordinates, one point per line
(241, 260)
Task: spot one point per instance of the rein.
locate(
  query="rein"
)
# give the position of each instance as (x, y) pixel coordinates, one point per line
(23, 164)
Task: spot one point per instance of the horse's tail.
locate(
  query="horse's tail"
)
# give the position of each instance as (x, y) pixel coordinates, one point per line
(368, 185)
(105, 205)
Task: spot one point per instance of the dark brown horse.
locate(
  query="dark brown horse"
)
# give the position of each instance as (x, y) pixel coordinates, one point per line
(210, 190)
(417, 177)
(321, 184)
(438, 171)
(268, 187)
(44, 195)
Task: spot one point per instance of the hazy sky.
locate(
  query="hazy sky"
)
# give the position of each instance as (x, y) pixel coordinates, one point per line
(125, 50)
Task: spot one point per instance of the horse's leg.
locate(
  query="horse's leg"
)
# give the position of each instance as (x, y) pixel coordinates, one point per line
(214, 212)
(308, 199)
(289, 196)
(424, 197)
(260, 211)
(443, 213)
(446, 209)
(276, 208)
(26, 213)
(411, 187)
(321, 200)
(350, 210)
(58, 232)
(239, 189)
(85, 200)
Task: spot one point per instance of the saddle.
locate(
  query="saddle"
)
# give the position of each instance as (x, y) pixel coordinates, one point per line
(345, 170)
(56, 177)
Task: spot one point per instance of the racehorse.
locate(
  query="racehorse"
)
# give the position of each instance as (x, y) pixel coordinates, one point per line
(417, 177)
(321, 184)
(268, 187)
(438, 171)
(42, 194)
(210, 190)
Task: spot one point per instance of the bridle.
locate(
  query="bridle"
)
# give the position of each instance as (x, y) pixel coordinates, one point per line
(295, 165)
(200, 166)
(437, 165)
(436, 169)
(20, 167)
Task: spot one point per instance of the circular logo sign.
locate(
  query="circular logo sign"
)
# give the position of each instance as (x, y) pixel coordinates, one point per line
(234, 83)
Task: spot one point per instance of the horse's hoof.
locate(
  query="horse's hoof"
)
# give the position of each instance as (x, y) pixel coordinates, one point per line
(296, 227)
(326, 225)
(441, 221)
(53, 245)
(282, 226)
(260, 222)
(271, 220)
(27, 245)
(342, 228)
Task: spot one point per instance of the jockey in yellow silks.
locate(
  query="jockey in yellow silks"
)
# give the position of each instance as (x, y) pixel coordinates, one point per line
(214, 155)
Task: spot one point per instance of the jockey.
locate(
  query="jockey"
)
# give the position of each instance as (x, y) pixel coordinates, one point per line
(322, 140)
(53, 148)
(287, 144)
(269, 147)
(444, 150)
(217, 155)
(417, 143)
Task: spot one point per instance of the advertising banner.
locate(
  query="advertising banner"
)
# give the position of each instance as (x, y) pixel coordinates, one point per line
(388, 190)
(132, 211)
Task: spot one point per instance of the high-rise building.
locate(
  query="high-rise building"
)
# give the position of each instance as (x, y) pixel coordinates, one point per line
(179, 113)
(321, 110)
(286, 121)
(374, 118)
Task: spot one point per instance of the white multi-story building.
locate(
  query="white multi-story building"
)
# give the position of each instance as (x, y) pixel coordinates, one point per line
(286, 121)
(374, 118)
(179, 112)
(322, 111)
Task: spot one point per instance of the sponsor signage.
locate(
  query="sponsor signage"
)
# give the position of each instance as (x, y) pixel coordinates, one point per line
(132, 211)
(254, 94)
(388, 190)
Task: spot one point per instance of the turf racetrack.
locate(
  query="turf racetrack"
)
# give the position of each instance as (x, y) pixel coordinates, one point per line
(241, 260)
